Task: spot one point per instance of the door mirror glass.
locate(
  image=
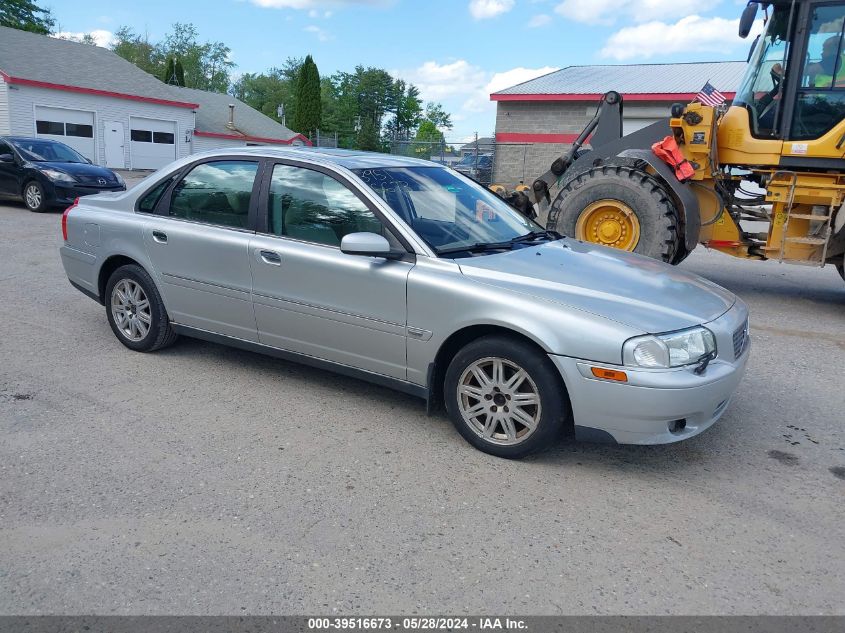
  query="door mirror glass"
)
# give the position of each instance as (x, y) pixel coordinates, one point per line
(7, 158)
(368, 245)
(747, 19)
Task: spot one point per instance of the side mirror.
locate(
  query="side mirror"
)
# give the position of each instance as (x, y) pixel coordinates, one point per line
(368, 245)
(746, 21)
(7, 158)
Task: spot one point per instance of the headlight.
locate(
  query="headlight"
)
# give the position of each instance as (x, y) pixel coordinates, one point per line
(58, 176)
(675, 349)
(120, 180)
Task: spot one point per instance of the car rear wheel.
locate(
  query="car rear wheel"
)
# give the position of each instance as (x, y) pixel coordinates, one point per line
(33, 197)
(505, 397)
(136, 312)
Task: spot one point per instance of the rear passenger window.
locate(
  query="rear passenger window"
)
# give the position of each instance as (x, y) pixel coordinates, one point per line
(150, 200)
(216, 193)
(310, 206)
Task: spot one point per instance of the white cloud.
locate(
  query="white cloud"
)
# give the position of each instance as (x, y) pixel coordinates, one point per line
(608, 11)
(439, 81)
(321, 34)
(541, 19)
(484, 9)
(101, 37)
(712, 35)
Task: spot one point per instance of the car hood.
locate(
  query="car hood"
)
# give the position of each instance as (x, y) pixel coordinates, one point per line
(640, 292)
(82, 171)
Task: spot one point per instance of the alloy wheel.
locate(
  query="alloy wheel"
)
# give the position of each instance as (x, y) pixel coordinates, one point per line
(499, 401)
(32, 196)
(130, 309)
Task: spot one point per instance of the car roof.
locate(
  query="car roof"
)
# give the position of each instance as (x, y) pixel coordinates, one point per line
(30, 138)
(351, 159)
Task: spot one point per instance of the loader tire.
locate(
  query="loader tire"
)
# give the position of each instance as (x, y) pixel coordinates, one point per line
(620, 207)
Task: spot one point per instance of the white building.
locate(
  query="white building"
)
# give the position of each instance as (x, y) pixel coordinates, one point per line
(111, 111)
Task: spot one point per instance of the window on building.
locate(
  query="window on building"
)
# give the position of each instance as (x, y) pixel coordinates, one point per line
(141, 136)
(164, 138)
(79, 129)
(56, 128)
(217, 192)
(308, 205)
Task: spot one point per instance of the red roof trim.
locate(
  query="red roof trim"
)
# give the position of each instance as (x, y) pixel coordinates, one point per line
(92, 91)
(516, 137)
(631, 96)
(257, 139)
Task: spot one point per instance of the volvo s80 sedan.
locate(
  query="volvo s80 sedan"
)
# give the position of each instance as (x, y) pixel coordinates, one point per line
(408, 274)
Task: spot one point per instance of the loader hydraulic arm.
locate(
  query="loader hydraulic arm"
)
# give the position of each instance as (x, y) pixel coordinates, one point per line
(605, 126)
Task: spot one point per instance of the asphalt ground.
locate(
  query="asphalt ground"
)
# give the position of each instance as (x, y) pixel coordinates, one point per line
(206, 480)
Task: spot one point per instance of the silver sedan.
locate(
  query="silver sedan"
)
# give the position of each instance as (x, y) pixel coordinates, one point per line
(405, 273)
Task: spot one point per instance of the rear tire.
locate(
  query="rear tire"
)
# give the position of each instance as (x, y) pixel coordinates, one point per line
(631, 191)
(505, 397)
(136, 312)
(33, 197)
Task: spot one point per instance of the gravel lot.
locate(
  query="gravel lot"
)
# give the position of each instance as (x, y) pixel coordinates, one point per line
(205, 480)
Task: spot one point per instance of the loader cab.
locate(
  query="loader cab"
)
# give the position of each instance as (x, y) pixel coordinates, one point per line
(794, 87)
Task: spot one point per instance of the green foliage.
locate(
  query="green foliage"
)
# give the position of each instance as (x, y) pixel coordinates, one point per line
(308, 104)
(174, 73)
(435, 113)
(25, 15)
(204, 65)
(267, 91)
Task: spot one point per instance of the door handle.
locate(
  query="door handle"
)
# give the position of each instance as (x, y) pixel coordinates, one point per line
(160, 237)
(270, 257)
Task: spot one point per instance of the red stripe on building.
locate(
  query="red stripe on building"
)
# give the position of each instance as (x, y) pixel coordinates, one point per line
(633, 96)
(93, 91)
(517, 137)
(255, 139)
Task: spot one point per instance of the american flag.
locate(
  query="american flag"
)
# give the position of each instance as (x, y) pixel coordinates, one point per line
(710, 96)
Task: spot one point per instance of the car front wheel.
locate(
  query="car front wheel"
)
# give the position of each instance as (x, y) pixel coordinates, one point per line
(136, 312)
(505, 397)
(33, 197)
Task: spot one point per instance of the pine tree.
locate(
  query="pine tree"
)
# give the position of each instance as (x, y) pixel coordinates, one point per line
(308, 106)
(174, 74)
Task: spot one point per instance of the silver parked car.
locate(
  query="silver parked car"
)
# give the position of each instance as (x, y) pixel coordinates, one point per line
(405, 273)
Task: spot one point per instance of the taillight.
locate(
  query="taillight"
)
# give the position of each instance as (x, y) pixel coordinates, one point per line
(64, 219)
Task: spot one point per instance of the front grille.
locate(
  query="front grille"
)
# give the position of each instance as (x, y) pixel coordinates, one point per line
(94, 181)
(739, 339)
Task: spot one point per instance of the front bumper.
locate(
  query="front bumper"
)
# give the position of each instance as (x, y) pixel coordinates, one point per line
(66, 193)
(655, 406)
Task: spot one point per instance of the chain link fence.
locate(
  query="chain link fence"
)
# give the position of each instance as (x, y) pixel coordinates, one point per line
(475, 159)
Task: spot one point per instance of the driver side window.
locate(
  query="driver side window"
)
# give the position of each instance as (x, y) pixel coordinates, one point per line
(821, 98)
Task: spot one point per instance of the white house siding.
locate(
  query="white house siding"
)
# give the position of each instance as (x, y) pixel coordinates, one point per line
(23, 99)
(4, 107)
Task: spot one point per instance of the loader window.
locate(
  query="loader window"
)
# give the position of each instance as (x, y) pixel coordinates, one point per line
(761, 89)
(820, 103)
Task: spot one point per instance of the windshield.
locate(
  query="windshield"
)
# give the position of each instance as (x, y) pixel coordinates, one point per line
(760, 90)
(47, 151)
(454, 215)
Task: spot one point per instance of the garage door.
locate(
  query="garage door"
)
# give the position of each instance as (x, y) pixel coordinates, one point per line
(152, 142)
(71, 127)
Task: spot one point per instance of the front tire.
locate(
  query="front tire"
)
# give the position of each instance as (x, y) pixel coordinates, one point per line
(620, 207)
(505, 397)
(33, 197)
(135, 310)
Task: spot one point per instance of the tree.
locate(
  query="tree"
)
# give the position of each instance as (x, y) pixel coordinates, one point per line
(431, 140)
(267, 91)
(25, 15)
(309, 110)
(174, 74)
(205, 65)
(435, 113)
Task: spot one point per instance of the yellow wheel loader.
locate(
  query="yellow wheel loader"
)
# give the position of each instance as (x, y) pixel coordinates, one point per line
(767, 177)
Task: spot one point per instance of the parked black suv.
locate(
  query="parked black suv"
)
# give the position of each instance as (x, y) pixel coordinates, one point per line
(45, 173)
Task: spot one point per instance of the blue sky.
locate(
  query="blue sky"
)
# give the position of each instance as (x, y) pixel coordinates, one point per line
(456, 51)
